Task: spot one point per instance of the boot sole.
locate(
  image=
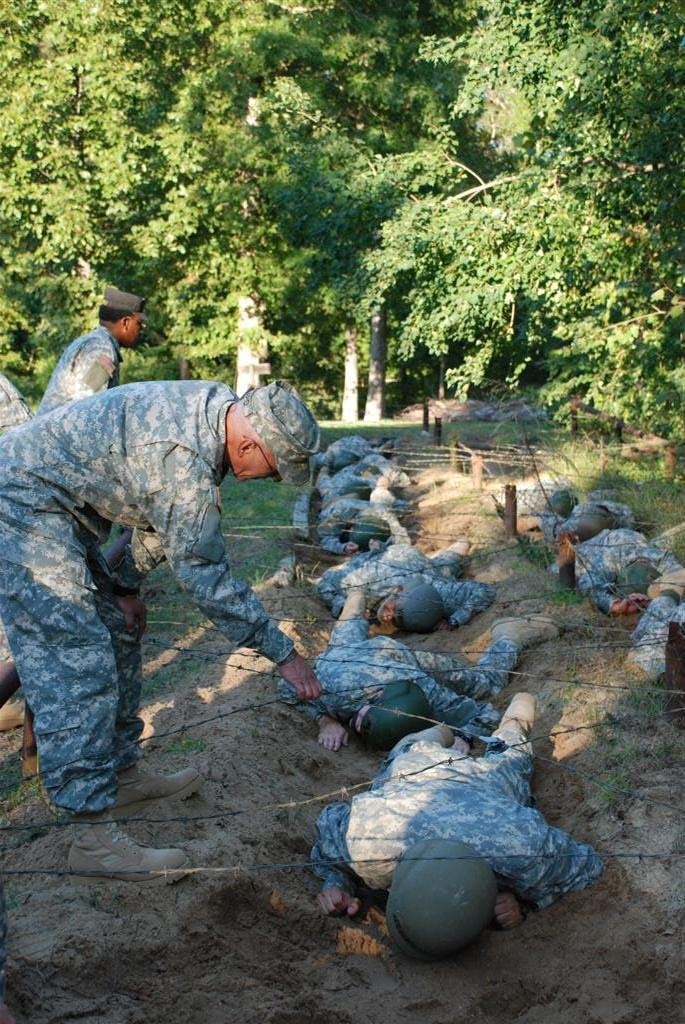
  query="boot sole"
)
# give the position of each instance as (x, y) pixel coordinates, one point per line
(162, 878)
(123, 810)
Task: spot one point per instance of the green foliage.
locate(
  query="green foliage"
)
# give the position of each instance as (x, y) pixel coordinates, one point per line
(503, 178)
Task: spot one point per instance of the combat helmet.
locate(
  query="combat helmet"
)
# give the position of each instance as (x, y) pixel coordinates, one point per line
(636, 577)
(562, 502)
(368, 528)
(419, 608)
(401, 709)
(597, 518)
(441, 898)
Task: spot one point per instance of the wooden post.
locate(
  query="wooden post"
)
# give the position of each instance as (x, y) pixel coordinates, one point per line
(618, 430)
(425, 415)
(183, 369)
(477, 472)
(510, 510)
(669, 462)
(437, 431)
(574, 418)
(29, 749)
(675, 674)
(566, 561)
(454, 446)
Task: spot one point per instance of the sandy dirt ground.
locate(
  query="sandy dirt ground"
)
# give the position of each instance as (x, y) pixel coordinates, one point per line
(237, 943)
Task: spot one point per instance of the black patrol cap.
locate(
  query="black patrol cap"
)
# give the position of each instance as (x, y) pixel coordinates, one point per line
(117, 304)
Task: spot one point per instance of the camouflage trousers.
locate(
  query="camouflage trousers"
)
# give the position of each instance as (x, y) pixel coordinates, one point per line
(486, 678)
(81, 673)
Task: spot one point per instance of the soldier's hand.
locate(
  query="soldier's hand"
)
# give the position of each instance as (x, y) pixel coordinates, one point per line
(5, 1016)
(351, 548)
(628, 605)
(134, 612)
(508, 913)
(333, 735)
(301, 677)
(336, 901)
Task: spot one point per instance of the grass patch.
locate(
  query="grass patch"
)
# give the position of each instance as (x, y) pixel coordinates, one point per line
(186, 745)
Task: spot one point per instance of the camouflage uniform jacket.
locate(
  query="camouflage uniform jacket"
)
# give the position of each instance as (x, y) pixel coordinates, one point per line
(355, 668)
(648, 639)
(414, 797)
(381, 573)
(344, 452)
(600, 560)
(364, 472)
(3, 943)
(149, 456)
(86, 367)
(13, 409)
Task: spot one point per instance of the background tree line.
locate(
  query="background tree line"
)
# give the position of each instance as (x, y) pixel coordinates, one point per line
(498, 184)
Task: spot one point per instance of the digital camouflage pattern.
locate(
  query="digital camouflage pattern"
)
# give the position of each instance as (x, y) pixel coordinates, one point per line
(13, 412)
(282, 420)
(381, 573)
(150, 456)
(3, 942)
(600, 560)
(344, 452)
(366, 471)
(13, 408)
(334, 522)
(86, 367)
(648, 639)
(552, 525)
(483, 801)
(355, 668)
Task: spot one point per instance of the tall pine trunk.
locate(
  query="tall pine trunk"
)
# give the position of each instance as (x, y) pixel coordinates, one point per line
(375, 396)
(350, 402)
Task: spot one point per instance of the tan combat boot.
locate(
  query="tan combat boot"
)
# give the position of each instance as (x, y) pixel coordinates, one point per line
(525, 630)
(137, 786)
(101, 850)
(522, 710)
(11, 715)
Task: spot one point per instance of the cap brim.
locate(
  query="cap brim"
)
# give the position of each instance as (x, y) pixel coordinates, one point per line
(297, 473)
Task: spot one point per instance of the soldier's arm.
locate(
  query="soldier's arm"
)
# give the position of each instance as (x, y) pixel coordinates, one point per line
(189, 529)
(329, 854)
(95, 367)
(352, 627)
(463, 598)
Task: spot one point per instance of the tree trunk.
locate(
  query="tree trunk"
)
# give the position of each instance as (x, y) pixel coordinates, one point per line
(441, 376)
(375, 396)
(350, 402)
(253, 351)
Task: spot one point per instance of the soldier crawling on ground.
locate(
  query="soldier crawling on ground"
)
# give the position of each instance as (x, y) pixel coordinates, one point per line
(378, 688)
(616, 568)
(348, 525)
(452, 856)
(407, 590)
